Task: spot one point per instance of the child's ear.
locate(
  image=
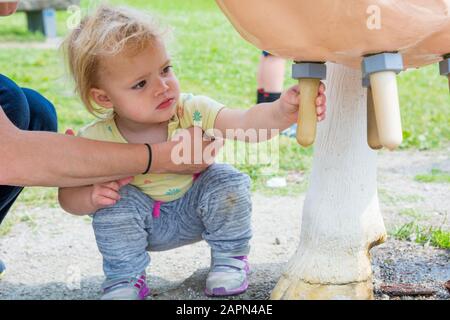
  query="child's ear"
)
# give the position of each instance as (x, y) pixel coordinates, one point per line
(101, 98)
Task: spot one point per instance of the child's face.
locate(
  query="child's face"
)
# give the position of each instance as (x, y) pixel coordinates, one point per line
(142, 88)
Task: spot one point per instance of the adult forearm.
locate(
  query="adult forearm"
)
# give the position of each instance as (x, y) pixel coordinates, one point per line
(47, 159)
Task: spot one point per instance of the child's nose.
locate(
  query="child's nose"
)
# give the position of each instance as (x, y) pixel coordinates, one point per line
(162, 86)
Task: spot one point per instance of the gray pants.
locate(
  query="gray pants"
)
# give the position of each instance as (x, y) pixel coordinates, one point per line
(217, 209)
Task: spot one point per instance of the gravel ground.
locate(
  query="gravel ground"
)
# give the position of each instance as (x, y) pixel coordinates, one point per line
(52, 255)
(407, 262)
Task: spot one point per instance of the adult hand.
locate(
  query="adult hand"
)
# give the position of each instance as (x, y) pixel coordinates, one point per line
(8, 8)
(188, 153)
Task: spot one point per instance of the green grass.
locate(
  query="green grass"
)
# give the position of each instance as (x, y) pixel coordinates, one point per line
(39, 196)
(210, 58)
(436, 237)
(14, 28)
(436, 176)
(425, 108)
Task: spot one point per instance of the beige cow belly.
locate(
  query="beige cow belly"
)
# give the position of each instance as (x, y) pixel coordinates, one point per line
(344, 31)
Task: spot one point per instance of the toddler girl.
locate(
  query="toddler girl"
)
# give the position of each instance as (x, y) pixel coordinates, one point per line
(122, 71)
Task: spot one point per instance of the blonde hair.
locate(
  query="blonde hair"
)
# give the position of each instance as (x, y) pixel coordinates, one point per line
(108, 32)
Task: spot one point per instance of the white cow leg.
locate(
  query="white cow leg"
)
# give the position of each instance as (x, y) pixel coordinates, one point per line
(341, 218)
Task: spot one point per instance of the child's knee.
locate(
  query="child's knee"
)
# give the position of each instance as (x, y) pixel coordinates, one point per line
(132, 206)
(222, 176)
(235, 201)
(228, 195)
(226, 187)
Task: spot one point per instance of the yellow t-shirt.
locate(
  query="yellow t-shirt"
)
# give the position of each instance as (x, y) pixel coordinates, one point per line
(192, 110)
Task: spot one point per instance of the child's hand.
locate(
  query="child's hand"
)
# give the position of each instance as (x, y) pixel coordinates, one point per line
(290, 100)
(107, 194)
